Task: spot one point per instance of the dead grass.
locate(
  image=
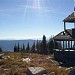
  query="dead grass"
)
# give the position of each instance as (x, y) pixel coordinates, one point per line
(18, 66)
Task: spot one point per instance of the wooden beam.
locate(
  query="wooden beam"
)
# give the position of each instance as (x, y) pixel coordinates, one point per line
(64, 26)
(63, 45)
(66, 44)
(71, 44)
(60, 46)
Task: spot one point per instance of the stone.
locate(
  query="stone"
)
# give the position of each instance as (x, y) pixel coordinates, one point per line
(26, 59)
(36, 71)
(52, 73)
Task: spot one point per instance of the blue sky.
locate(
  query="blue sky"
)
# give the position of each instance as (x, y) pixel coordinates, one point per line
(28, 19)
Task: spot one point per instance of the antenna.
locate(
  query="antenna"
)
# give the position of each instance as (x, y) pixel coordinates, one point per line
(74, 13)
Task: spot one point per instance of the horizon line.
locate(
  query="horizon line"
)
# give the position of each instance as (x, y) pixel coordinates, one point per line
(23, 38)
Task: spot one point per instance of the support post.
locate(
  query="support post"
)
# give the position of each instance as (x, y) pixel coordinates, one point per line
(71, 44)
(66, 44)
(60, 46)
(63, 45)
(64, 26)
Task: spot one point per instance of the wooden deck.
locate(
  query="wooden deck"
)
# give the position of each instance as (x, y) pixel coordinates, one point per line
(66, 57)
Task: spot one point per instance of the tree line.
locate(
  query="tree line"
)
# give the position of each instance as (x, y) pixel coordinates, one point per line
(42, 47)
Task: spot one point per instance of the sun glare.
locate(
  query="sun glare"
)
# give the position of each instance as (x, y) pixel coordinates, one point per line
(33, 4)
(36, 4)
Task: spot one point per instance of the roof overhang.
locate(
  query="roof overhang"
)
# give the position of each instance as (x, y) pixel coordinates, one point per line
(70, 18)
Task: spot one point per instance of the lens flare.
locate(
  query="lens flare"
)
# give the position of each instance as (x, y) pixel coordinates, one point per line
(33, 4)
(36, 4)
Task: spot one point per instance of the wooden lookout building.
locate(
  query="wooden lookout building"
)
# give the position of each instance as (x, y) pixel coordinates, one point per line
(66, 38)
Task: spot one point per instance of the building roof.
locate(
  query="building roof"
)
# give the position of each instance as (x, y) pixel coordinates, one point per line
(64, 35)
(70, 18)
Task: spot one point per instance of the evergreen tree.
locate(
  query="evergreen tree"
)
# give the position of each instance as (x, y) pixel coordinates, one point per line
(40, 47)
(37, 46)
(50, 46)
(23, 47)
(33, 48)
(15, 48)
(44, 46)
(28, 48)
(18, 49)
(0, 49)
